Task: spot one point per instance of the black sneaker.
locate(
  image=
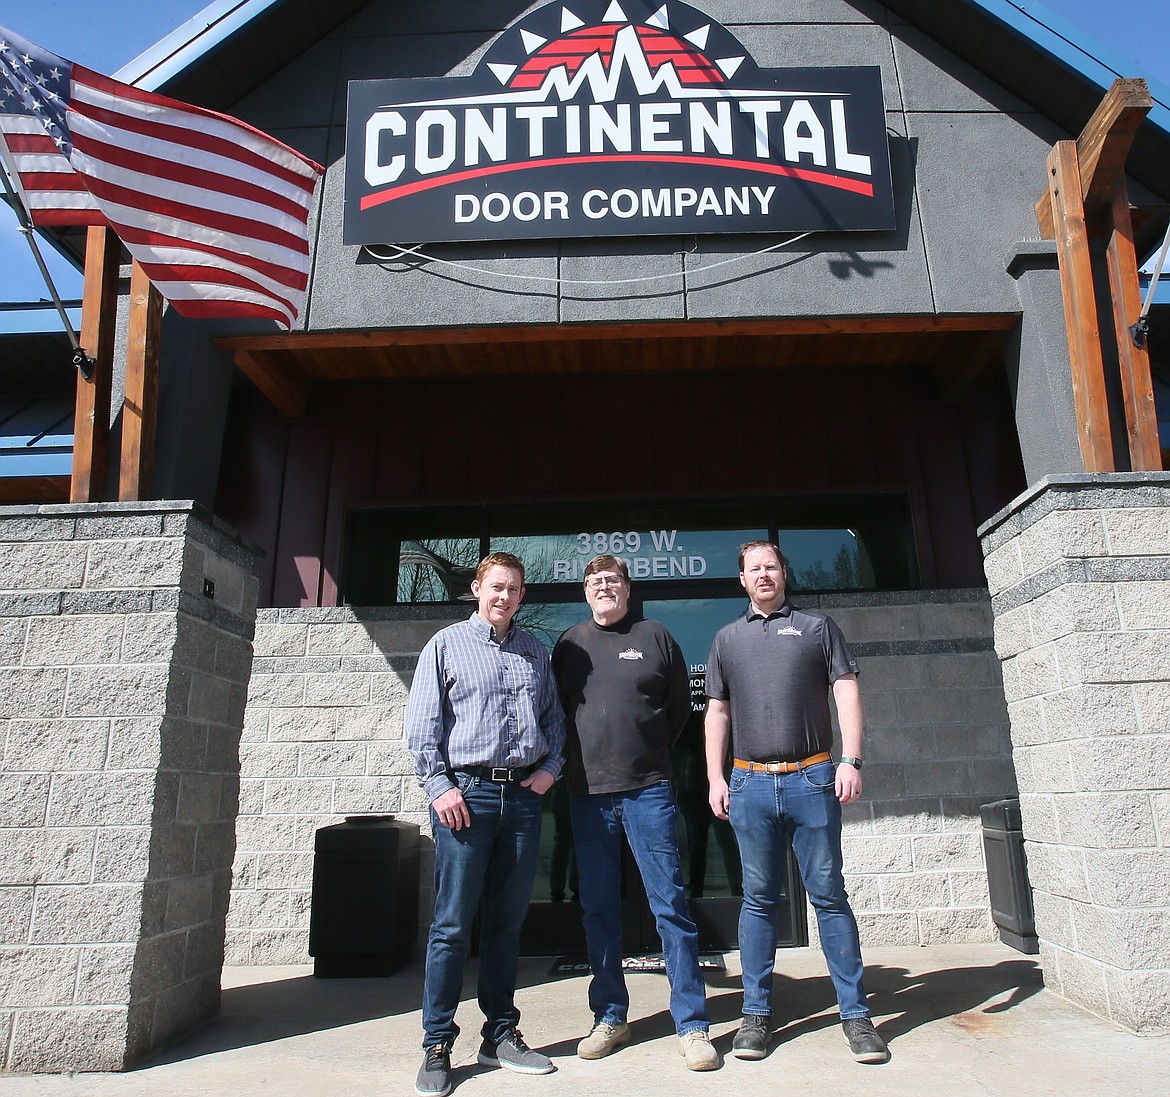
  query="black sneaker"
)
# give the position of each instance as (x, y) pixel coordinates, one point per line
(434, 1076)
(514, 1054)
(867, 1046)
(751, 1041)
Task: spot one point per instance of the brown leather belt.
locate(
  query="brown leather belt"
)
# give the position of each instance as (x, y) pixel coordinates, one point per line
(782, 767)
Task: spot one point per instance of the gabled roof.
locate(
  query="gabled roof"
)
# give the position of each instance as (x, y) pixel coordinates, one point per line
(233, 46)
(1053, 67)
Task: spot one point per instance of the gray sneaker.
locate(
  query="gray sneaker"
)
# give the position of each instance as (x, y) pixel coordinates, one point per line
(434, 1076)
(513, 1053)
(751, 1041)
(867, 1046)
(603, 1039)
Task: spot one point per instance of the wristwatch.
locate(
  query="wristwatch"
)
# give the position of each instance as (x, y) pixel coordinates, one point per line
(854, 762)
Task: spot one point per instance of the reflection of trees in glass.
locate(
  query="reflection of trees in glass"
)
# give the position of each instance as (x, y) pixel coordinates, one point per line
(547, 620)
(437, 571)
(845, 573)
(540, 554)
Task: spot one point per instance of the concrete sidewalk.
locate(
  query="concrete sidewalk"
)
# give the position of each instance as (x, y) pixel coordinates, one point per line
(963, 1020)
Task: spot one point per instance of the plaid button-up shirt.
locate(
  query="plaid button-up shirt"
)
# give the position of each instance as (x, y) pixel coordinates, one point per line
(477, 701)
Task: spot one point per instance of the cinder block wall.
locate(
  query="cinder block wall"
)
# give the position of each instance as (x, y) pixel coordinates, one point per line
(936, 748)
(323, 738)
(1079, 571)
(122, 687)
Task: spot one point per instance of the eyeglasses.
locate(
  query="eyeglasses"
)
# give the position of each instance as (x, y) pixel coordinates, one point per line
(597, 582)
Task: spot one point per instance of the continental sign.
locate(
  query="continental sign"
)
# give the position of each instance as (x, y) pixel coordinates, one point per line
(616, 118)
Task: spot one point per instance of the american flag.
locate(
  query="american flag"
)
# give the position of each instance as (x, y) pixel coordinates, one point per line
(216, 212)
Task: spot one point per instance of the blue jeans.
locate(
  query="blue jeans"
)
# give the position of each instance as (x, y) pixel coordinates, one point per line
(487, 868)
(647, 816)
(768, 811)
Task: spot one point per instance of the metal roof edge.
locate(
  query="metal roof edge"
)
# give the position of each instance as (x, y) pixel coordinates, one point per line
(187, 44)
(1029, 19)
(1161, 290)
(1075, 49)
(37, 317)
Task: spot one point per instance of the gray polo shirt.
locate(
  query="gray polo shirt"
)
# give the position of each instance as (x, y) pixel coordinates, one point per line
(775, 673)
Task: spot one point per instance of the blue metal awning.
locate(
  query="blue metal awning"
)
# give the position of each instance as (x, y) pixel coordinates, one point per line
(36, 436)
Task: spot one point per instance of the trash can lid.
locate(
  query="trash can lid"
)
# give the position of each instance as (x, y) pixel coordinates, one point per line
(1002, 814)
(368, 832)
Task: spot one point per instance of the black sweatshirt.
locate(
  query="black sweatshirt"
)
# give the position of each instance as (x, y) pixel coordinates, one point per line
(626, 695)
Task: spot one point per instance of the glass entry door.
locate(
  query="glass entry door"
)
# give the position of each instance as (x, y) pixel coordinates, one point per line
(710, 857)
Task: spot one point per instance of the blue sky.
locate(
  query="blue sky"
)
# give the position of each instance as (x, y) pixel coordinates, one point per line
(106, 34)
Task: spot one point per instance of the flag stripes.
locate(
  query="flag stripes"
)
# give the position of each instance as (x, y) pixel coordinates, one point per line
(215, 211)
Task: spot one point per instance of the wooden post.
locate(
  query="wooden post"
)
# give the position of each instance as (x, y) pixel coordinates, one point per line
(1080, 309)
(91, 415)
(1103, 147)
(1141, 417)
(140, 403)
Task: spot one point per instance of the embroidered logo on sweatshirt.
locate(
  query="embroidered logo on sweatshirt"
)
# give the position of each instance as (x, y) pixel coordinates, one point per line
(788, 630)
(630, 653)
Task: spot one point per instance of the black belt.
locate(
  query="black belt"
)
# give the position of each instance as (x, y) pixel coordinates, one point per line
(500, 774)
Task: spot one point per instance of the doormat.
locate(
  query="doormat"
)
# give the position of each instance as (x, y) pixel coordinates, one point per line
(578, 965)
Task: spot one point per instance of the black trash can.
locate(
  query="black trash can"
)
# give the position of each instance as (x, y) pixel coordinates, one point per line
(1007, 875)
(364, 915)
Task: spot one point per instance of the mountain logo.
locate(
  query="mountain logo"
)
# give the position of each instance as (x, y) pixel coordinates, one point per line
(616, 117)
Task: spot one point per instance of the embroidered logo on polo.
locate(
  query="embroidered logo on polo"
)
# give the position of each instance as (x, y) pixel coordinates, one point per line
(788, 630)
(616, 117)
(630, 653)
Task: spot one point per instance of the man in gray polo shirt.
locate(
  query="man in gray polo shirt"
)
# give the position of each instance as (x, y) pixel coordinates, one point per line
(768, 680)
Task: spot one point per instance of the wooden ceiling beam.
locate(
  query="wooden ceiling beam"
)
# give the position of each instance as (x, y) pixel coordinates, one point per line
(688, 329)
(284, 386)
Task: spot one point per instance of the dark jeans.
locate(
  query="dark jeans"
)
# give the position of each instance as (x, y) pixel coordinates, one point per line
(647, 816)
(487, 868)
(768, 811)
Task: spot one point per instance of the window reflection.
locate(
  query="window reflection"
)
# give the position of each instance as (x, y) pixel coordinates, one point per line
(826, 559)
(437, 571)
(428, 554)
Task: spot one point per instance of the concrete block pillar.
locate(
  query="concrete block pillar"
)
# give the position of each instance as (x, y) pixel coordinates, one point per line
(125, 652)
(1079, 573)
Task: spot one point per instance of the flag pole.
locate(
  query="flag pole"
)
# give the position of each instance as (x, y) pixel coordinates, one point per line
(81, 360)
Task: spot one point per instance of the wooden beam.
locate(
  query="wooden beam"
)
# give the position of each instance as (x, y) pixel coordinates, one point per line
(287, 393)
(1080, 309)
(91, 414)
(1102, 149)
(140, 403)
(954, 376)
(1141, 417)
(691, 329)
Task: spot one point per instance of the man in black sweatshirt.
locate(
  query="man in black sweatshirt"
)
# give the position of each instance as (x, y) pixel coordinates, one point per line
(624, 687)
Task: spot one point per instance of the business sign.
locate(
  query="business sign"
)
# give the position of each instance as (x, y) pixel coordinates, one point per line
(616, 118)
